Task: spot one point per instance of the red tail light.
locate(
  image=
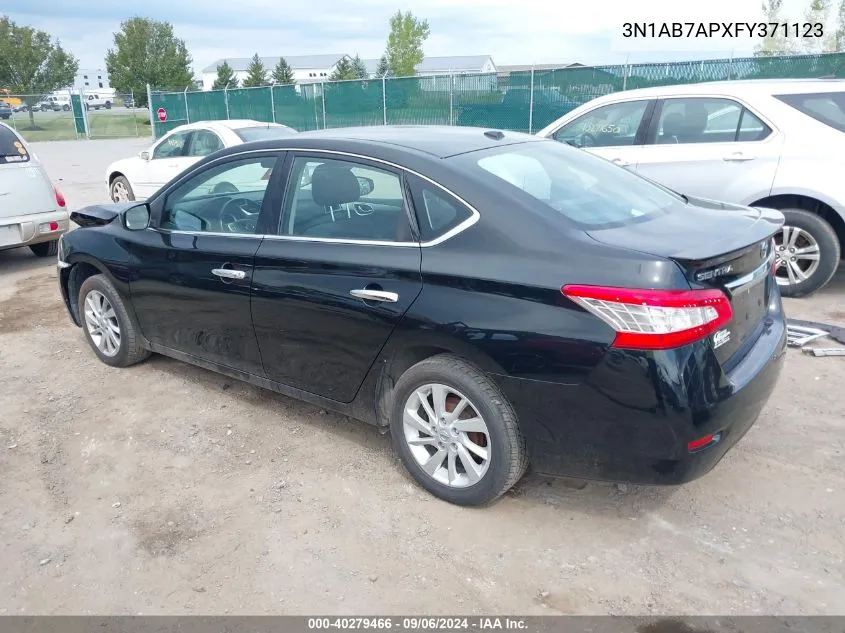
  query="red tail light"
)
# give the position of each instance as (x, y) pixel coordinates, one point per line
(654, 319)
(60, 199)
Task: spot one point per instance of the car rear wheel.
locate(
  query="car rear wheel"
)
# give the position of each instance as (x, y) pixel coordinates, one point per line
(807, 252)
(108, 328)
(121, 190)
(45, 249)
(455, 432)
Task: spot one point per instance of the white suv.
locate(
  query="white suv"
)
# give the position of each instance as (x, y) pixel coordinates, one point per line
(768, 143)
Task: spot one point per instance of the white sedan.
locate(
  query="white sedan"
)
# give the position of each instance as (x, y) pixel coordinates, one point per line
(767, 143)
(140, 176)
(33, 212)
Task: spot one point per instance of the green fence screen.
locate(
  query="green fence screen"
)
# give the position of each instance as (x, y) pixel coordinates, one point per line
(522, 101)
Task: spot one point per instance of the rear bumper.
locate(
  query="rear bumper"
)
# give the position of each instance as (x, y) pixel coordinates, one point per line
(633, 418)
(32, 228)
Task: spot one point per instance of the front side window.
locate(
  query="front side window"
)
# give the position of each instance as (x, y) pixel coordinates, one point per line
(826, 107)
(226, 198)
(613, 125)
(339, 199)
(707, 120)
(587, 190)
(204, 143)
(171, 147)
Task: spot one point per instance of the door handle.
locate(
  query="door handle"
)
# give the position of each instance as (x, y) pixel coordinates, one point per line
(621, 162)
(737, 157)
(228, 273)
(375, 295)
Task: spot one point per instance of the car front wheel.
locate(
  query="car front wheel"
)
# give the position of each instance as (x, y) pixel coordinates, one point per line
(455, 432)
(108, 328)
(121, 191)
(807, 253)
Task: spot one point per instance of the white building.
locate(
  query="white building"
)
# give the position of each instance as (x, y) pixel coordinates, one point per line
(92, 80)
(306, 68)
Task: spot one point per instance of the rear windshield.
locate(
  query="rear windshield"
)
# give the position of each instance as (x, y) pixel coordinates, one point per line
(249, 134)
(11, 148)
(589, 191)
(827, 107)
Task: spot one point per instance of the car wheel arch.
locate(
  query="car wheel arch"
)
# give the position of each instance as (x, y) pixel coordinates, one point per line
(81, 268)
(404, 355)
(807, 203)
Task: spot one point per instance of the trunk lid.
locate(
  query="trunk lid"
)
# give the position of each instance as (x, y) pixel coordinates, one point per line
(717, 245)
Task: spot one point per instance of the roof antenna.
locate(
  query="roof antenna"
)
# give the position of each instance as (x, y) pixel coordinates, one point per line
(496, 135)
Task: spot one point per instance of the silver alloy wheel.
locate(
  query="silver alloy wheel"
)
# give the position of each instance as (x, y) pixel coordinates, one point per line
(101, 321)
(119, 192)
(447, 435)
(797, 255)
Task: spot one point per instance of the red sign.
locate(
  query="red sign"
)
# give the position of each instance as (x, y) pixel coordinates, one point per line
(162, 114)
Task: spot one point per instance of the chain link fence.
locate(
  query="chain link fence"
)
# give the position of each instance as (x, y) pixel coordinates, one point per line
(71, 115)
(524, 101)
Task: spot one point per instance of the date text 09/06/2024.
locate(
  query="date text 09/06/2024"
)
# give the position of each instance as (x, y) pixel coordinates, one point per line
(421, 623)
(722, 29)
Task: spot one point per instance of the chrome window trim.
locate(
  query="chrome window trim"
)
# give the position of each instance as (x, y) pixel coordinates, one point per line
(470, 221)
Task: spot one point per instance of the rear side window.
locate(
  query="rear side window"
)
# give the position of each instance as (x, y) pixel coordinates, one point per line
(12, 150)
(437, 211)
(826, 107)
(587, 190)
(707, 120)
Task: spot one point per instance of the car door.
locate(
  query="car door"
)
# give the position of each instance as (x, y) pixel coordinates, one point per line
(343, 269)
(711, 147)
(614, 131)
(168, 158)
(194, 266)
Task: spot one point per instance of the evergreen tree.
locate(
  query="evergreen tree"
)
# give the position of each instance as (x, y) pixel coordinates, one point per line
(256, 74)
(343, 70)
(225, 77)
(359, 68)
(383, 67)
(283, 73)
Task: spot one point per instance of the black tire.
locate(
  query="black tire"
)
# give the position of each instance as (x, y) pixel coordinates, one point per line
(108, 105)
(508, 455)
(829, 252)
(45, 249)
(130, 351)
(125, 182)
(66, 108)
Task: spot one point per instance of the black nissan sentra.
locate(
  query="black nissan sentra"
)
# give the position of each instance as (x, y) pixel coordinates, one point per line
(496, 300)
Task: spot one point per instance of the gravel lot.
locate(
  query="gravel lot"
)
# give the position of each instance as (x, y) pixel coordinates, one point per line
(165, 488)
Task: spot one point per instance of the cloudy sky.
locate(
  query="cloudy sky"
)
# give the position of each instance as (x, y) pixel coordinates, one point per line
(511, 31)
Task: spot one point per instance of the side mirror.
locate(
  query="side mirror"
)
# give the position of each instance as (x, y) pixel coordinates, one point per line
(367, 185)
(137, 218)
(145, 155)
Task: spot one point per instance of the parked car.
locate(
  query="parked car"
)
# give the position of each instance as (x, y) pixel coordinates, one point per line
(491, 298)
(32, 210)
(96, 102)
(513, 110)
(773, 143)
(5, 110)
(139, 176)
(21, 107)
(57, 103)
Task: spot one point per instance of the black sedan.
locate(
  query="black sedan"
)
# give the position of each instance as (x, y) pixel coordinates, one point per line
(494, 299)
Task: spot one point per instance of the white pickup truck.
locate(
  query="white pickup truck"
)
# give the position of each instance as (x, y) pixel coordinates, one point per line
(97, 102)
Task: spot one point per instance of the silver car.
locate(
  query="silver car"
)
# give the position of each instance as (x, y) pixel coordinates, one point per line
(767, 143)
(32, 211)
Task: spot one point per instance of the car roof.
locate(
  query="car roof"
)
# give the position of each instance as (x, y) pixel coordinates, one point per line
(231, 124)
(441, 141)
(737, 87)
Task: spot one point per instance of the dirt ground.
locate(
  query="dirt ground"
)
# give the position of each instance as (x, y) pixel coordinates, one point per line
(167, 489)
